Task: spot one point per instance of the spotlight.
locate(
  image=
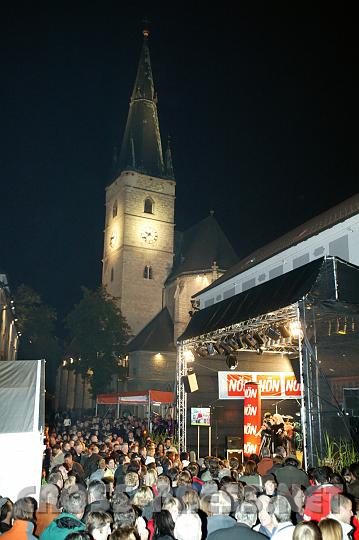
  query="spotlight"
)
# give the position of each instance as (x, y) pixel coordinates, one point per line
(295, 329)
(273, 333)
(188, 356)
(218, 348)
(240, 343)
(284, 331)
(231, 361)
(249, 341)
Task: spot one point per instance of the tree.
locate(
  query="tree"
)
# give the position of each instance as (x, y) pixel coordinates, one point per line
(37, 324)
(99, 334)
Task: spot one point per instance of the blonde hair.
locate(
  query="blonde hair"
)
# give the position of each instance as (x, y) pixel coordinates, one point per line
(330, 529)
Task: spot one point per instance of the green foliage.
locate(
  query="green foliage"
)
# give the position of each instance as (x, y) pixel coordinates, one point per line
(338, 453)
(37, 324)
(99, 335)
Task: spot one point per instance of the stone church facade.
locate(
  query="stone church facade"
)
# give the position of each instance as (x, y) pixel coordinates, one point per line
(149, 266)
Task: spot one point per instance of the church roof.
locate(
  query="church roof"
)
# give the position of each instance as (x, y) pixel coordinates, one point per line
(157, 335)
(141, 146)
(327, 219)
(200, 246)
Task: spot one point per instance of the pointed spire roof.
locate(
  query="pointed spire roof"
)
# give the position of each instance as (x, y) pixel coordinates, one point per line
(141, 146)
(168, 161)
(201, 248)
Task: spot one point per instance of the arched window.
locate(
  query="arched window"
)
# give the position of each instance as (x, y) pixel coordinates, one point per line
(112, 274)
(147, 272)
(114, 209)
(148, 208)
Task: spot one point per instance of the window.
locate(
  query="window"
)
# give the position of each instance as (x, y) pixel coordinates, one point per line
(148, 208)
(147, 272)
(114, 209)
(112, 274)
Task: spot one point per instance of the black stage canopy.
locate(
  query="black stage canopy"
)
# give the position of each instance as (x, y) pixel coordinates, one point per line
(326, 279)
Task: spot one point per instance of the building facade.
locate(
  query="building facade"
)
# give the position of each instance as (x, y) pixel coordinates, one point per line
(334, 232)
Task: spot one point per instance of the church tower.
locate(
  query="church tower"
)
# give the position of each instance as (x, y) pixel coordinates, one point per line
(139, 228)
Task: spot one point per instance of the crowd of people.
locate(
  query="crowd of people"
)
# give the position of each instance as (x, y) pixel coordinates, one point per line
(110, 480)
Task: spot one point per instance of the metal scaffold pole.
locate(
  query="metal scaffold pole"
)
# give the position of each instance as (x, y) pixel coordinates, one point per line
(181, 371)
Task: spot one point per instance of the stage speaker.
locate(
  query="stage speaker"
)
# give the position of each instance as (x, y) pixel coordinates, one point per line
(233, 442)
(235, 453)
(351, 401)
(190, 383)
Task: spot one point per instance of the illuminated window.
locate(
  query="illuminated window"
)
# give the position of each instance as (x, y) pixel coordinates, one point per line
(148, 208)
(114, 209)
(147, 272)
(112, 274)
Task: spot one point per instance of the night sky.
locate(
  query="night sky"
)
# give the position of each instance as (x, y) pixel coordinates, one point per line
(262, 111)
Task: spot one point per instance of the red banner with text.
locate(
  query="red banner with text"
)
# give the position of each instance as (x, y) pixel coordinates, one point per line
(252, 418)
(273, 385)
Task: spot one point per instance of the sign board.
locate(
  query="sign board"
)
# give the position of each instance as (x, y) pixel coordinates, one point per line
(252, 418)
(273, 385)
(200, 416)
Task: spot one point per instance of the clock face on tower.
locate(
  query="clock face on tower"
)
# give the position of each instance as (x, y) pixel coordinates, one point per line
(149, 235)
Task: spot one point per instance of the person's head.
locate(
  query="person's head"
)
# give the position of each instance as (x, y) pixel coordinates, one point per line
(74, 501)
(220, 503)
(173, 505)
(321, 475)
(167, 443)
(142, 497)
(163, 523)
(79, 535)
(96, 491)
(331, 529)
(279, 506)
(132, 481)
(307, 530)
(342, 508)
(292, 461)
(247, 513)
(150, 477)
(188, 527)
(264, 517)
(125, 517)
(6, 507)
(98, 524)
(265, 452)
(163, 485)
(190, 500)
(24, 509)
(250, 467)
(125, 533)
(184, 478)
(68, 460)
(269, 484)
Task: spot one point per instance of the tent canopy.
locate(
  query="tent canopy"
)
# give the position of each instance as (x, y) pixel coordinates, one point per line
(136, 398)
(327, 278)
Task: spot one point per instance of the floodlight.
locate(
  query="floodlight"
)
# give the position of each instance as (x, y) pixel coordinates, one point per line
(273, 333)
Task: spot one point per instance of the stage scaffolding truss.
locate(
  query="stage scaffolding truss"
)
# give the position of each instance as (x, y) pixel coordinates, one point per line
(320, 301)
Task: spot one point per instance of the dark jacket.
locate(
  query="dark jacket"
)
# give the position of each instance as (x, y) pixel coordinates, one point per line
(239, 531)
(97, 506)
(290, 475)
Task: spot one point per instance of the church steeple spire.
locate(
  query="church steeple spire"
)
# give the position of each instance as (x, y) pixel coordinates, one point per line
(141, 146)
(168, 160)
